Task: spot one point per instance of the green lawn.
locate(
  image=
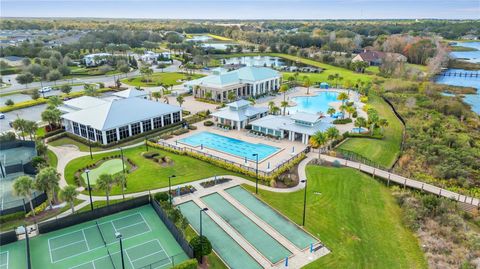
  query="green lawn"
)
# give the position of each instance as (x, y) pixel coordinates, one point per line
(355, 216)
(385, 151)
(112, 167)
(157, 78)
(65, 141)
(52, 158)
(149, 174)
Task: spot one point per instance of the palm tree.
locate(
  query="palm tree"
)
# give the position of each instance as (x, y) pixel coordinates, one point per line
(252, 100)
(54, 101)
(69, 194)
(331, 111)
(208, 95)
(47, 180)
(24, 186)
(343, 96)
(105, 183)
(307, 83)
(165, 99)
(180, 100)
(360, 122)
(52, 116)
(350, 110)
(383, 123)
(332, 133)
(120, 181)
(284, 105)
(276, 110)
(342, 109)
(157, 95)
(283, 89)
(31, 128)
(231, 96)
(19, 124)
(317, 140)
(271, 105)
(372, 119)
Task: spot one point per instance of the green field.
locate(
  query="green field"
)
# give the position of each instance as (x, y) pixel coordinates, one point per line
(160, 78)
(386, 150)
(355, 216)
(84, 246)
(111, 167)
(150, 175)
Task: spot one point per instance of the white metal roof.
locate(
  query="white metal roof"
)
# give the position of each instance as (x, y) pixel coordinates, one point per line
(120, 113)
(239, 115)
(130, 93)
(83, 102)
(306, 117)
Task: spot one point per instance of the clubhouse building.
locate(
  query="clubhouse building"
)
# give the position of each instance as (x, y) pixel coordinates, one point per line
(238, 114)
(109, 121)
(243, 83)
(297, 127)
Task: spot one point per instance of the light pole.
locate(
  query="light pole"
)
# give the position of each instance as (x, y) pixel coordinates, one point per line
(170, 187)
(146, 142)
(304, 200)
(256, 172)
(201, 232)
(119, 237)
(123, 168)
(89, 188)
(89, 142)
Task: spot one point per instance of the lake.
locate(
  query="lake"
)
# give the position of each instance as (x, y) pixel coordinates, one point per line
(471, 56)
(267, 61)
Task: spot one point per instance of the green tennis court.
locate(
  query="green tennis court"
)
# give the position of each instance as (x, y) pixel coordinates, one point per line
(147, 243)
(108, 167)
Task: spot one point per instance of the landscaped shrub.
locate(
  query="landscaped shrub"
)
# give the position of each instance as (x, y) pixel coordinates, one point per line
(208, 123)
(192, 127)
(38, 209)
(342, 121)
(213, 182)
(364, 99)
(165, 137)
(201, 246)
(150, 154)
(188, 264)
(13, 216)
(180, 131)
(161, 196)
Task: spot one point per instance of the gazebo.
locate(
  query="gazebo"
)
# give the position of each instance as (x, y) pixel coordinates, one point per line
(324, 85)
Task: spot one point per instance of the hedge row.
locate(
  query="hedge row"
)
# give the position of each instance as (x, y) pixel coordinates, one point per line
(232, 167)
(188, 264)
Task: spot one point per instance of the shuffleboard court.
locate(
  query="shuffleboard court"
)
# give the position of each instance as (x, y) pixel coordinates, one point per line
(147, 243)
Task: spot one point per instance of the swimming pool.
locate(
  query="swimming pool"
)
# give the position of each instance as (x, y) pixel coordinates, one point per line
(315, 103)
(229, 145)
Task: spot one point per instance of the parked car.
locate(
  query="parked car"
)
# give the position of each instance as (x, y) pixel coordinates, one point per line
(2, 116)
(45, 89)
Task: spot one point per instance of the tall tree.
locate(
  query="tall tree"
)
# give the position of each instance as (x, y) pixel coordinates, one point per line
(24, 186)
(69, 194)
(307, 83)
(318, 140)
(180, 100)
(105, 183)
(47, 180)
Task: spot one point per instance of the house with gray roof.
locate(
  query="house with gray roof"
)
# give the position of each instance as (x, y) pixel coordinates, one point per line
(243, 83)
(238, 114)
(297, 127)
(107, 122)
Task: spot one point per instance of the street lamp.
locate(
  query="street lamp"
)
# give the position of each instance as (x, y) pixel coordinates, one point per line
(256, 172)
(119, 237)
(89, 188)
(89, 142)
(170, 187)
(123, 167)
(146, 142)
(304, 200)
(201, 232)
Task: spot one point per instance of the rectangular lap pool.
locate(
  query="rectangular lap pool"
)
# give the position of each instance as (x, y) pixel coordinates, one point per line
(229, 145)
(292, 232)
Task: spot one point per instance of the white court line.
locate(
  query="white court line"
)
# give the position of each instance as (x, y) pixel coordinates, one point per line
(124, 227)
(160, 251)
(144, 220)
(51, 258)
(8, 255)
(85, 238)
(69, 244)
(129, 260)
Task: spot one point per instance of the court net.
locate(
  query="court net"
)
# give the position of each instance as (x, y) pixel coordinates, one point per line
(105, 243)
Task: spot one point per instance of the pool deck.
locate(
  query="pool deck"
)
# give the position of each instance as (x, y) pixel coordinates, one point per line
(285, 146)
(297, 259)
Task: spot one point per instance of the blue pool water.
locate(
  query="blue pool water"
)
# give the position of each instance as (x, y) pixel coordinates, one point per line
(229, 145)
(315, 103)
(359, 130)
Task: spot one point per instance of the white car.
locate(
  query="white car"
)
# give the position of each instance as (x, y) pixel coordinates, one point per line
(45, 89)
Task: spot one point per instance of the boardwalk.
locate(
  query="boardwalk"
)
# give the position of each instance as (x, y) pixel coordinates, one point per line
(405, 181)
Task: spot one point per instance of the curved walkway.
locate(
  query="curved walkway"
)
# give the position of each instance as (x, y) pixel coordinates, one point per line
(67, 154)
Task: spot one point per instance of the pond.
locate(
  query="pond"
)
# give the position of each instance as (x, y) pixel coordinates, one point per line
(199, 38)
(470, 56)
(267, 61)
(217, 46)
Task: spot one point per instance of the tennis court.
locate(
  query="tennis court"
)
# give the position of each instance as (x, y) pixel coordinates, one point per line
(147, 243)
(4, 260)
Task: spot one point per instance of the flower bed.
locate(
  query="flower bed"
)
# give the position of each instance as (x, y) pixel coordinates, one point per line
(213, 182)
(183, 190)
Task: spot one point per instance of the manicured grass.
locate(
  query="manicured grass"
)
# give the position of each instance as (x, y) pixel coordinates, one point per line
(65, 141)
(385, 151)
(52, 158)
(355, 216)
(112, 167)
(150, 175)
(221, 38)
(157, 78)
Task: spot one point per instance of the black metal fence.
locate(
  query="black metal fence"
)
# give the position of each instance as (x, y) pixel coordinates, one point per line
(19, 205)
(16, 144)
(57, 224)
(8, 237)
(353, 156)
(172, 228)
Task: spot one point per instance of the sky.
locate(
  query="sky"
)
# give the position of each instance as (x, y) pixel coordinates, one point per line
(244, 9)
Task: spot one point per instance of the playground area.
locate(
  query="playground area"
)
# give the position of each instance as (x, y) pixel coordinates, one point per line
(147, 243)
